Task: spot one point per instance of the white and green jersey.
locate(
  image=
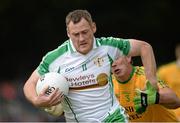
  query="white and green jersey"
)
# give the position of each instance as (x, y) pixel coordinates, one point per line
(91, 97)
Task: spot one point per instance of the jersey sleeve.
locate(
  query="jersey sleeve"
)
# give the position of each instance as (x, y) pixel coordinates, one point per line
(122, 44)
(43, 67)
(50, 57)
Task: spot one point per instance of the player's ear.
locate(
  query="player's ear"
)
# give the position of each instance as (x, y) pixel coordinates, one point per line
(67, 30)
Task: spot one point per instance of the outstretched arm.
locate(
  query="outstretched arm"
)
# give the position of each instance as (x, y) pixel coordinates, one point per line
(145, 51)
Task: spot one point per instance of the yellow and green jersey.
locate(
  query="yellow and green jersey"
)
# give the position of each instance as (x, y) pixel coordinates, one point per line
(125, 92)
(170, 73)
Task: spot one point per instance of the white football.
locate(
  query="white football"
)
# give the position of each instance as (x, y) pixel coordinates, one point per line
(53, 80)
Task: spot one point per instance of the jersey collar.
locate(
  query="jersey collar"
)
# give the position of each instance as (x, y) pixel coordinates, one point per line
(131, 75)
(73, 49)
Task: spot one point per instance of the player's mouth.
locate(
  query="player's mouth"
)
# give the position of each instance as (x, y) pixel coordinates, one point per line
(83, 44)
(117, 71)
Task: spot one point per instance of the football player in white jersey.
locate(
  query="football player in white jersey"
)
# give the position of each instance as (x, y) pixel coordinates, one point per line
(86, 62)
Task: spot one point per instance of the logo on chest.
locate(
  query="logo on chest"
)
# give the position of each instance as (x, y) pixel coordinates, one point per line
(69, 69)
(88, 81)
(98, 61)
(102, 79)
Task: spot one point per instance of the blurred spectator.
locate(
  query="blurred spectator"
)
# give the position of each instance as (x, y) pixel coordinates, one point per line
(170, 73)
(15, 108)
(8, 91)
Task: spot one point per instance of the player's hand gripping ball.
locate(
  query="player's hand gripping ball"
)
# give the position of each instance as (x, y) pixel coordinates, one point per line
(53, 80)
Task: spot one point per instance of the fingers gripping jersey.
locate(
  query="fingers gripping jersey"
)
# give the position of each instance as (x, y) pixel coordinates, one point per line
(91, 96)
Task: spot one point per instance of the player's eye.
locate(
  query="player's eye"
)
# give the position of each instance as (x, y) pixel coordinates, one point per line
(85, 32)
(76, 34)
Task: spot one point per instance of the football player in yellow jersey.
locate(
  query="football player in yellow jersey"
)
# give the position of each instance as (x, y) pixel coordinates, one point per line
(128, 78)
(170, 73)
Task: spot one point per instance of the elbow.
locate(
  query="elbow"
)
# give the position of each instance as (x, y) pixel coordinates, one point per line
(140, 48)
(146, 47)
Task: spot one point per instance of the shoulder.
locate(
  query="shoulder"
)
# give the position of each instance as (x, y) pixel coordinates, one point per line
(170, 64)
(166, 67)
(139, 70)
(119, 43)
(110, 40)
(59, 51)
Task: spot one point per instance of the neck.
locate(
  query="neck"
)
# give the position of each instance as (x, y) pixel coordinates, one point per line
(127, 74)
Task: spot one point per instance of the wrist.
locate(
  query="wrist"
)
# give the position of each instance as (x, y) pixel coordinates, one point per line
(154, 84)
(35, 101)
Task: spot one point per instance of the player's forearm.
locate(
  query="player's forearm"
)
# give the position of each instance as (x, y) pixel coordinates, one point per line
(171, 106)
(148, 60)
(143, 49)
(29, 92)
(29, 89)
(149, 63)
(168, 98)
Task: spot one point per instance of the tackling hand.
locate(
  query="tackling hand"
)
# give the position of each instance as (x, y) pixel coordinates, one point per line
(144, 98)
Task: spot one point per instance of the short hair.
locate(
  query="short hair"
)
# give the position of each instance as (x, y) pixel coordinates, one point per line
(76, 16)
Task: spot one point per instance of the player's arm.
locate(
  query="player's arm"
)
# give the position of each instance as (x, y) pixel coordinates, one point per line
(168, 98)
(41, 100)
(165, 96)
(145, 51)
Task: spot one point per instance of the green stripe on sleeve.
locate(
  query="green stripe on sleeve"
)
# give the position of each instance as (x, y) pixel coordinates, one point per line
(50, 57)
(121, 44)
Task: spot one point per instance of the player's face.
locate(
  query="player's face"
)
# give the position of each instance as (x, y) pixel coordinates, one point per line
(82, 35)
(121, 67)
